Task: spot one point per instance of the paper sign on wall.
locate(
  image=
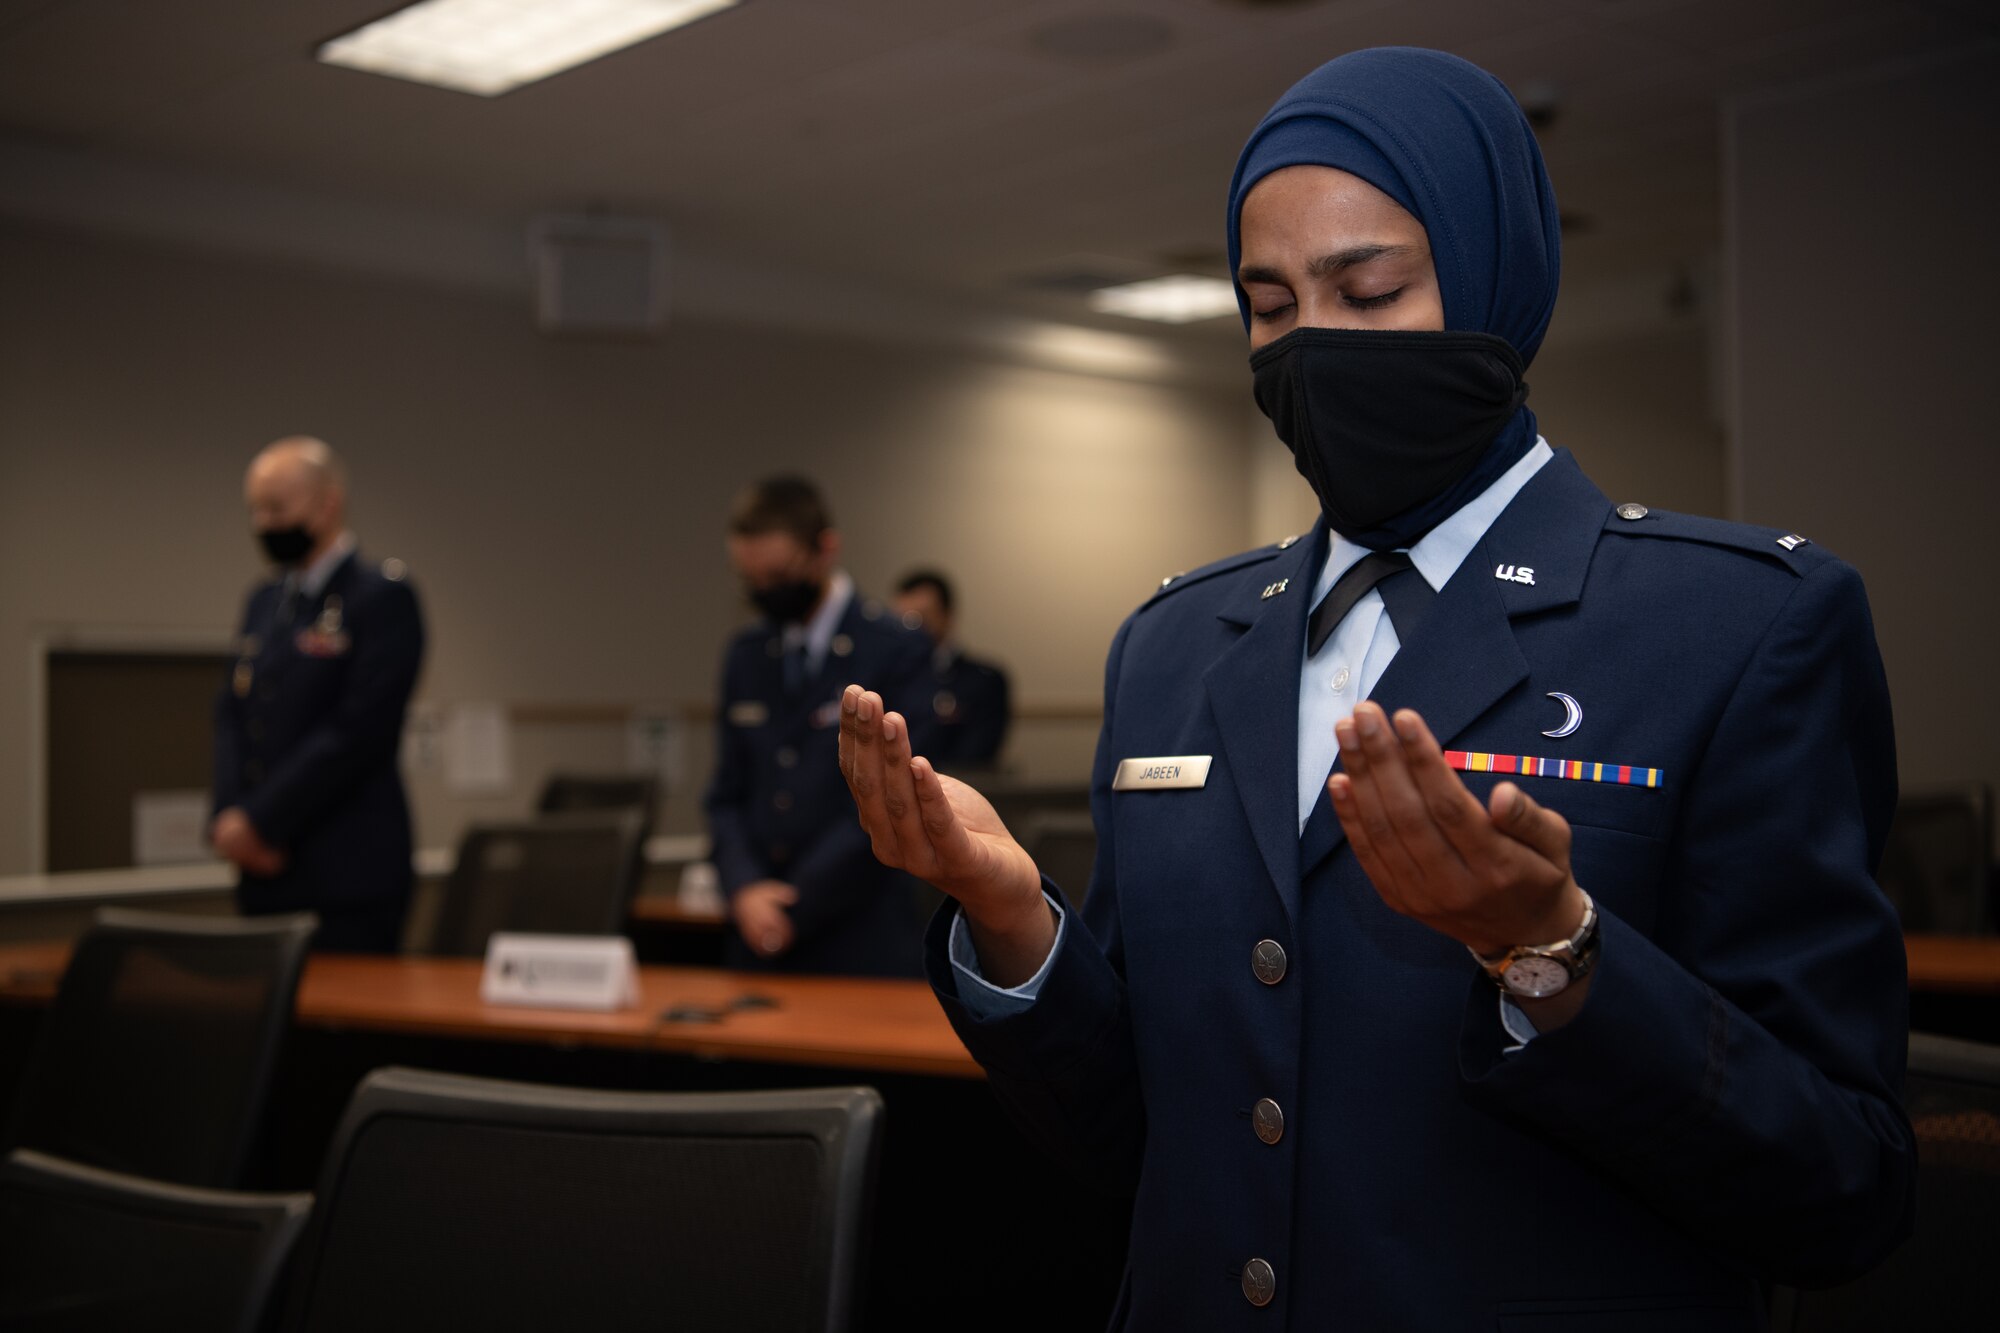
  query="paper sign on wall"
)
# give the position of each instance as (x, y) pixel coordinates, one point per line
(170, 827)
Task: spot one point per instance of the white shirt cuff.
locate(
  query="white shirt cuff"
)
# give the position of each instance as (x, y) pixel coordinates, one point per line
(1519, 1026)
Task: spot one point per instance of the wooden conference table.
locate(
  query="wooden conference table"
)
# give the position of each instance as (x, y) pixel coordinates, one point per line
(1954, 964)
(830, 1022)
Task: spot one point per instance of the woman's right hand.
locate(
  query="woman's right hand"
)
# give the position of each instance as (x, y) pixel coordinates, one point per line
(940, 830)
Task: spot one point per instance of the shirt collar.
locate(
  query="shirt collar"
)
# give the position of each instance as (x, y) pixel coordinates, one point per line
(1439, 553)
(314, 577)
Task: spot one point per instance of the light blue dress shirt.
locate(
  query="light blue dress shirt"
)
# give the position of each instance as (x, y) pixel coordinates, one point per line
(1331, 682)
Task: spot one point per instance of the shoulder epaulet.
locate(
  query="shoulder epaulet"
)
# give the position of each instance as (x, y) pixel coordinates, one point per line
(1173, 583)
(1789, 549)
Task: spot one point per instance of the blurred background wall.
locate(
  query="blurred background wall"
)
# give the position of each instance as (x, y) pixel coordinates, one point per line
(1776, 277)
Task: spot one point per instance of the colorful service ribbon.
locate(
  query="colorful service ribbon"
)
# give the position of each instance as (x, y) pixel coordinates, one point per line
(1579, 770)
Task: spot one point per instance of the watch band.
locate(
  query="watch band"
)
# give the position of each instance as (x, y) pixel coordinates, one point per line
(1576, 955)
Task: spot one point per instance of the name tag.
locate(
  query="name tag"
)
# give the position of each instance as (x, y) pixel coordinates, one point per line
(560, 972)
(749, 713)
(1166, 773)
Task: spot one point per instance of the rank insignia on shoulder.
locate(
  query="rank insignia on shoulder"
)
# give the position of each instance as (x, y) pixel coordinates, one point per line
(1791, 541)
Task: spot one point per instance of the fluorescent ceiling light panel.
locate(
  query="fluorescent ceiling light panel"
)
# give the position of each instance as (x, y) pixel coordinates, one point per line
(1179, 299)
(490, 46)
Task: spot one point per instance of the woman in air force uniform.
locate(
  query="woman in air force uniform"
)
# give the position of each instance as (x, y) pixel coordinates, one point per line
(1482, 927)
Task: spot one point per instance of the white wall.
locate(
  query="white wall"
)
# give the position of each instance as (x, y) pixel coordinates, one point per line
(1861, 231)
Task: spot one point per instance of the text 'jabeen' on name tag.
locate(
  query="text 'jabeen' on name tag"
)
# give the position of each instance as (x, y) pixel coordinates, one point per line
(560, 971)
(1174, 772)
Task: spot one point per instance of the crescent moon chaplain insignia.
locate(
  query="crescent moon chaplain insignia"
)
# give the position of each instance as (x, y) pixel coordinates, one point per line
(1572, 716)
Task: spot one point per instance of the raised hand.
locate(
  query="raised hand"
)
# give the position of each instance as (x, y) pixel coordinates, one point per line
(941, 830)
(1490, 876)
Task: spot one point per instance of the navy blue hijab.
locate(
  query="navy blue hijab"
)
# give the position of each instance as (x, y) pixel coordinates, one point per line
(1448, 142)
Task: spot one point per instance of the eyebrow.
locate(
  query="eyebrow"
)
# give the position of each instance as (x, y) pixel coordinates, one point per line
(1326, 264)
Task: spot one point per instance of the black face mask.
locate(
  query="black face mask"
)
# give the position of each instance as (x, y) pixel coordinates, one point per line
(286, 546)
(1380, 422)
(786, 603)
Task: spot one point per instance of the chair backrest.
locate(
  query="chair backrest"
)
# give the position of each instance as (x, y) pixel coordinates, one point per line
(1063, 844)
(567, 793)
(1937, 866)
(1938, 1279)
(454, 1202)
(158, 1056)
(87, 1249)
(559, 875)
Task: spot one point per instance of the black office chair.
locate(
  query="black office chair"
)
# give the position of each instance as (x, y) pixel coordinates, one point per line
(1938, 1281)
(570, 793)
(1938, 864)
(158, 1055)
(84, 1250)
(559, 875)
(454, 1202)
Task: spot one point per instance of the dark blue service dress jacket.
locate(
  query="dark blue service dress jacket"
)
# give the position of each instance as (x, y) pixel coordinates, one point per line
(307, 732)
(970, 708)
(1723, 1110)
(779, 809)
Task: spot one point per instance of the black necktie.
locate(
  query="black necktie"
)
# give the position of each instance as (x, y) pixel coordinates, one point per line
(1404, 592)
(795, 668)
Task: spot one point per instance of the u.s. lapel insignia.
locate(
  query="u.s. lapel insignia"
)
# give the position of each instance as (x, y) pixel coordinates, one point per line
(1273, 589)
(1515, 574)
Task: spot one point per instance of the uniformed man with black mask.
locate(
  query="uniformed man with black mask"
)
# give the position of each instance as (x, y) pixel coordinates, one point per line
(308, 801)
(805, 892)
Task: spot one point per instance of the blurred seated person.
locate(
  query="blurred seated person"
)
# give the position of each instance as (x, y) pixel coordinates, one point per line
(969, 704)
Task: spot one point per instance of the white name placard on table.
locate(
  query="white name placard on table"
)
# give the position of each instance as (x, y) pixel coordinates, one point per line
(560, 971)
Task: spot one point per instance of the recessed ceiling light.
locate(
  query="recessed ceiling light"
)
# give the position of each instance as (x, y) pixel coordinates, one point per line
(1179, 299)
(491, 46)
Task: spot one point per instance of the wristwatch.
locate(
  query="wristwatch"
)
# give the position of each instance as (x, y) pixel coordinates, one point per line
(1538, 971)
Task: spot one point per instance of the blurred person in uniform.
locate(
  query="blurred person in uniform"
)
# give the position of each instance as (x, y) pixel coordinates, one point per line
(805, 892)
(970, 704)
(308, 802)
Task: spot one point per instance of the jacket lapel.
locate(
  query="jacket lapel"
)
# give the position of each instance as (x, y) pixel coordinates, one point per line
(1253, 690)
(1463, 658)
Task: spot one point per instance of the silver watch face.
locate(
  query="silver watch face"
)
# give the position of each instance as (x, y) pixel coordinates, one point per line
(1535, 978)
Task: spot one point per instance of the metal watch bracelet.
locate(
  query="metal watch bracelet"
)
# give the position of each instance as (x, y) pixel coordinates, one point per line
(1576, 954)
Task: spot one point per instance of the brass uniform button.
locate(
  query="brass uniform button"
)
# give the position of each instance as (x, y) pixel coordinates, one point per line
(1260, 1284)
(1268, 961)
(1268, 1120)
